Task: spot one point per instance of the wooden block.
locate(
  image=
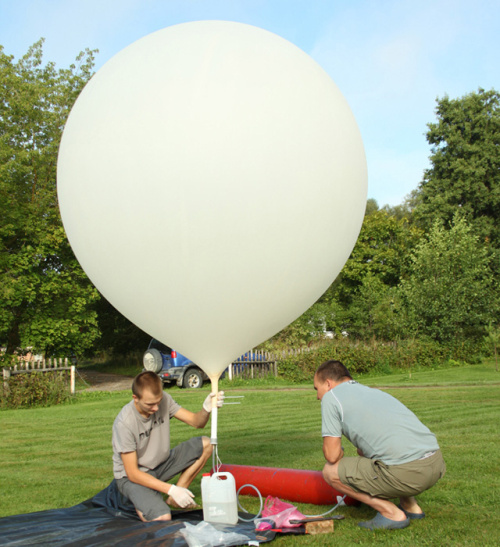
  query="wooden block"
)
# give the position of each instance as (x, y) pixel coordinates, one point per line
(319, 527)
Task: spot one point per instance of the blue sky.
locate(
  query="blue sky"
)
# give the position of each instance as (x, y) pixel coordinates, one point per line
(390, 58)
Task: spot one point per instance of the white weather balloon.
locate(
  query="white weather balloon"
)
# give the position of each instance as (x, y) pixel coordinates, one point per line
(212, 183)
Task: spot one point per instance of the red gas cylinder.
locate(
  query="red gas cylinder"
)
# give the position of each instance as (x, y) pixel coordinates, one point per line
(288, 484)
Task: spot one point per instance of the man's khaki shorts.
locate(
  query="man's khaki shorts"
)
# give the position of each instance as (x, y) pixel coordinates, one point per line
(391, 481)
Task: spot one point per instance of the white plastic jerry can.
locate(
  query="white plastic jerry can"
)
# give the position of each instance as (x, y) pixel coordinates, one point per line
(218, 494)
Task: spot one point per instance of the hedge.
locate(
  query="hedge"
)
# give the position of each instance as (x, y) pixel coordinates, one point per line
(362, 357)
(34, 389)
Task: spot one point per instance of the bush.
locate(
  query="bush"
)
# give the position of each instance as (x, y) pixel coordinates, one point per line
(363, 357)
(34, 389)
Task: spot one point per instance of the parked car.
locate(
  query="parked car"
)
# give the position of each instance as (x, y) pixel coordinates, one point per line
(172, 366)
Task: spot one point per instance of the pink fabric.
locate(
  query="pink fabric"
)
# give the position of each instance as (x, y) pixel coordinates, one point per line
(280, 513)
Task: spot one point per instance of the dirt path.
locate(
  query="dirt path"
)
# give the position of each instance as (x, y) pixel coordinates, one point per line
(101, 381)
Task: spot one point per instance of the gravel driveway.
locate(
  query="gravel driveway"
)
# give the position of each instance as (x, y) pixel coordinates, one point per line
(100, 381)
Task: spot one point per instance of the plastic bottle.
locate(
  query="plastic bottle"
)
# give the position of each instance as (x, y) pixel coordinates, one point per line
(218, 494)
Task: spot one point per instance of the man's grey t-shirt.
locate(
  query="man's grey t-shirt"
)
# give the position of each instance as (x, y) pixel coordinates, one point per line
(376, 423)
(149, 437)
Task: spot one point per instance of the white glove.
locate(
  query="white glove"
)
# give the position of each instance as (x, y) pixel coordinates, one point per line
(207, 404)
(182, 496)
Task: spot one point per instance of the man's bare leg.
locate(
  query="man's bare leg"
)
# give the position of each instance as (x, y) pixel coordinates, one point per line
(410, 505)
(188, 475)
(166, 516)
(385, 507)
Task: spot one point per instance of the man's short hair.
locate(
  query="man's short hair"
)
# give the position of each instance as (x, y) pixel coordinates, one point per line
(147, 380)
(332, 370)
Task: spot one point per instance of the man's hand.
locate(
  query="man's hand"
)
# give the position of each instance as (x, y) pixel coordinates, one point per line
(182, 496)
(207, 404)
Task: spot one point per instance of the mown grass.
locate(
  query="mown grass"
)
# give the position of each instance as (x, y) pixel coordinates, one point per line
(59, 456)
(480, 374)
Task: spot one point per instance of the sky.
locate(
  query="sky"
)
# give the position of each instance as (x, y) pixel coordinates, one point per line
(391, 59)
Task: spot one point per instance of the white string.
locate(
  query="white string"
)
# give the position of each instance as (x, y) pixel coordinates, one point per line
(216, 462)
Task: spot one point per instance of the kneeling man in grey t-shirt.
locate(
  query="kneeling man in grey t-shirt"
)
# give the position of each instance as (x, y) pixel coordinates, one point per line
(142, 459)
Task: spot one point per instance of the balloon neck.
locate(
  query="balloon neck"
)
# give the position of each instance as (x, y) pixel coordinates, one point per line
(215, 389)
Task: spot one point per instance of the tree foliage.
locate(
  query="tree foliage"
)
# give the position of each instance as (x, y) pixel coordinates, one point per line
(465, 171)
(119, 336)
(44, 293)
(449, 292)
(382, 251)
(373, 313)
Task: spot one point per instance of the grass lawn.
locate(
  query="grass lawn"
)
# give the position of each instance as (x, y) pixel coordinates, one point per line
(56, 457)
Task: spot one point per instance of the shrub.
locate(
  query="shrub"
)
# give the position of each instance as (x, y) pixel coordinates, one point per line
(363, 357)
(34, 389)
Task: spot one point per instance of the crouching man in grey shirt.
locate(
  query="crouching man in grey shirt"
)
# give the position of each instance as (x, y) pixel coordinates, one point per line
(142, 459)
(399, 457)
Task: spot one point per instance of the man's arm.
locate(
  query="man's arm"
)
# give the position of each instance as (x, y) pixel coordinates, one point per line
(134, 474)
(199, 419)
(332, 449)
(195, 419)
(182, 496)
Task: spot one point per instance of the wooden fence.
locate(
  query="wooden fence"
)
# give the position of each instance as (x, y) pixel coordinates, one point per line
(257, 364)
(260, 364)
(42, 365)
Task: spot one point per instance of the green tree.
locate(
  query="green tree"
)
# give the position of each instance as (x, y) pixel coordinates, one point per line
(374, 312)
(465, 171)
(448, 294)
(492, 340)
(371, 206)
(381, 251)
(403, 210)
(44, 294)
(119, 336)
